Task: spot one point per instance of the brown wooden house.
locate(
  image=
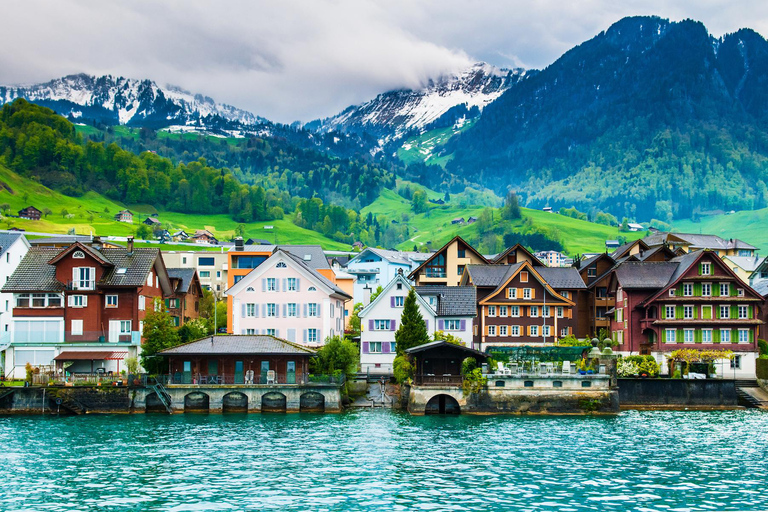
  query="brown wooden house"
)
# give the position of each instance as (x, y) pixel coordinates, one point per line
(239, 359)
(30, 213)
(439, 362)
(184, 304)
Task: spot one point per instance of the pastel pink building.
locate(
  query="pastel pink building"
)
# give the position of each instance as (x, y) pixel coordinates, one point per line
(286, 298)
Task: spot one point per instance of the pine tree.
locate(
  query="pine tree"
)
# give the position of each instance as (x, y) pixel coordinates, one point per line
(412, 331)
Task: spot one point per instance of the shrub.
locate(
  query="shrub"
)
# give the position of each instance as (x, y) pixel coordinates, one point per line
(468, 365)
(474, 381)
(630, 366)
(403, 369)
(762, 346)
(573, 341)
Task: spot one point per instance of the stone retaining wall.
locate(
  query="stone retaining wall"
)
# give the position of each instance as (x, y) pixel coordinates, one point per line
(678, 392)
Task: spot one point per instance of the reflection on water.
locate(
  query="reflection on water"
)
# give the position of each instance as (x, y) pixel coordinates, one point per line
(376, 460)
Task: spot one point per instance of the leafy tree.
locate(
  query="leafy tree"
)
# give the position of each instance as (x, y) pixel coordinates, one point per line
(448, 337)
(354, 319)
(46, 212)
(338, 354)
(193, 330)
(376, 293)
(419, 201)
(159, 334)
(511, 209)
(403, 368)
(64, 212)
(240, 230)
(143, 232)
(412, 331)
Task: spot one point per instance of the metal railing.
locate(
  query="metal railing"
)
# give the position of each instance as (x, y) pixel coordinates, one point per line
(244, 379)
(426, 380)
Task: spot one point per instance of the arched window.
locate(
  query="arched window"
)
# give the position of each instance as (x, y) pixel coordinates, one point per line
(311, 289)
(250, 289)
(79, 255)
(281, 265)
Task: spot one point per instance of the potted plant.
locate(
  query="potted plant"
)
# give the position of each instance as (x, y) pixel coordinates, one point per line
(581, 366)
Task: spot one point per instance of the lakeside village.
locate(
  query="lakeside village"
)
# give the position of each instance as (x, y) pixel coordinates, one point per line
(91, 325)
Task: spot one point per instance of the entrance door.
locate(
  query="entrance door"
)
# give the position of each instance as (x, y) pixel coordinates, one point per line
(187, 372)
(290, 372)
(264, 370)
(114, 331)
(239, 372)
(213, 367)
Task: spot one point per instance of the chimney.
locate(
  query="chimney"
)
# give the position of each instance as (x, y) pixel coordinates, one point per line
(130, 245)
(239, 243)
(96, 243)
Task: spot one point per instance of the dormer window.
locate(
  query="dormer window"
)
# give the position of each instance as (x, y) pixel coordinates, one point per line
(121, 271)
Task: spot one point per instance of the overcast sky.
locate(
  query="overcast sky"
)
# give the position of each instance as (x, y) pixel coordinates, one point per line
(299, 60)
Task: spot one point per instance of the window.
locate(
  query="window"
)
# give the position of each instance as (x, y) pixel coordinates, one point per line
(218, 274)
(250, 332)
(312, 335)
(502, 330)
(619, 315)
(78, 301)
(374, 347)
(250, 289)
(743, 312)
(111, 301)
(534, 330)
(77, 328)
(292, 284)
(78, 255)
(688, 336)
(743, 335)
(291, 309)
(564, 293)
(671, 292)
(142, 303)
(560, 312)
(669, 312)
(706, 289)
(271, 284)
(545, 311)
(332, 314)
(381, 325)
(736, 363)
(592, 272)
(491, 311)
(311, 289)
(725, 289)
(706, 336)
(83, 278)
(399, 302)
(125, 327)
(38, 300)
(435, 267)
(688, 312)
(514, 311)
(453, 325)
(511, 293)
(670, 335)
(491, 330)
(272, 332)
(250, 310)
(687, 289)
(534, 312)
(184, 260)
(706, 269)
(460, 269)
(312, 309)
(725, 312)
(725, 335)
(149, 279)
(739, 292)
(547, 330)
(462, 253)
(205, 273)
(271, 309)
(503, 311)
(205, 261)
(515, 330)
(564, 332)
(526, 293)
(523, 277)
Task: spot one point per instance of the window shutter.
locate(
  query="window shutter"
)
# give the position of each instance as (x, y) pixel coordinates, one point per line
(370, 325)
(529, 330)
(74, 277)
(440, 324)
(519, 293)
(305, 335)
(365, 343)
(392, 301)
(700, 267)
(285, 285)
(298, 284)
(385, 348)
(533, 293)
(277, 333)
(264, 310)
(305, 311)
(463, 325)
(244, 310)
(285, 310)
(734, 311)
(85, 301)
(70, 300)
(392, 325)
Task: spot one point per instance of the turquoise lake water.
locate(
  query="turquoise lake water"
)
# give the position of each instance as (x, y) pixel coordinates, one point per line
(382, 461)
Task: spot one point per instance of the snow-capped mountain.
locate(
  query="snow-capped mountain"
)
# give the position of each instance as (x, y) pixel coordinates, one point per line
(445, 100)
(126, 101)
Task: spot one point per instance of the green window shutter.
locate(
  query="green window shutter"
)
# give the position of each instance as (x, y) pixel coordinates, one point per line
(733, 290)
(695, 312)
(679, 291)
(678, 312)
(715, 335)
(699, 268)
(167, 303)
(734, 311)
(734, 335)
(697, 336)
(751, 336)
(750, 312)
(706, 313)
(679, 336)
(697, 289)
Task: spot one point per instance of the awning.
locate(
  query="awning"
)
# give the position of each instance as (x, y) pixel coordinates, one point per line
(95, 355)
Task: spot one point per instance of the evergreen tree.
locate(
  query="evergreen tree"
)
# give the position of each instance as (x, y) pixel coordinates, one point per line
(412, 331)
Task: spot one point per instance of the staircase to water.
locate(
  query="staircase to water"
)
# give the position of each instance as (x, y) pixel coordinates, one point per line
(163, 396)
(749, 399)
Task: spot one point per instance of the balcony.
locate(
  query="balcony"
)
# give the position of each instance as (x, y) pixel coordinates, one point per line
(248, 378)
(435, 272)
(69, 337)
(81, 285)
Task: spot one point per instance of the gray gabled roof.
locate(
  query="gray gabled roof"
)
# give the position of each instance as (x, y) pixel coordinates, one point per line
(746, 263)
(137, 265)
(445, 344)
(562, 277)
(184, 275)
(312, 255)
(34, 273)
(259, 344)
(490, 275)
(7, 240)
(452, 300)
(761, 287)
(318, 275)
(645, 274)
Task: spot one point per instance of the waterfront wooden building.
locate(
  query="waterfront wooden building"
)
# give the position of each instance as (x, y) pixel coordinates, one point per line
(238, 359)
(439, 362)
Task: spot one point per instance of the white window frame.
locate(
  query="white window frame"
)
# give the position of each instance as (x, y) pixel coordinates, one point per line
(79, 283)
(452, 324)
(706, 289)
(109, 299)
(533, 312)
(491, 330)
(142, 303)
(745, 333)
(515, 331)
(492, 311)
(526, 293)
(76, 328)
(745, 309)
(667, 333)
(706, 269)
(291, 283)
(511, 293)
(503, 330)
(399, 301)
(311, 335)
(382, 325)
(374, 347)
(688, 333)
(293, 309)
(313, 310)
(250, 309)
(687, 289)
(271, 309)
(706, 336)
(271, 284)
(560, 312)
(686, 310)
(725, 333)
(667, 309)
(727, 287)
(727, 310)
(514, 311)
(503, 311)
(534, 331)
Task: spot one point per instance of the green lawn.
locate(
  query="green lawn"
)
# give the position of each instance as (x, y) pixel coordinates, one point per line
(749, 226)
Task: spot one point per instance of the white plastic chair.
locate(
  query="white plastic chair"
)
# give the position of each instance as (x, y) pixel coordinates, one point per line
(270, 376)
(500, 368)
(513, 368)
(566, 367)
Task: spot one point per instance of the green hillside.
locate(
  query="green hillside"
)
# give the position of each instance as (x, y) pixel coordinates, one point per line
(749, 226)
(93, 214)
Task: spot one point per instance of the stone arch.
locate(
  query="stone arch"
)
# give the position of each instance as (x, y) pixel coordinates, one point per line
(273, 402)
(197, 402)
(152, 403)
(442, 404)
(312, 401)
(234, 402)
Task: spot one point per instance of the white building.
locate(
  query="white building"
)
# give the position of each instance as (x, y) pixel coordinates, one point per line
(554, 259)
(378, 267)
(211, 267)
(285, 297)
(13, 248)
(444, 308)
